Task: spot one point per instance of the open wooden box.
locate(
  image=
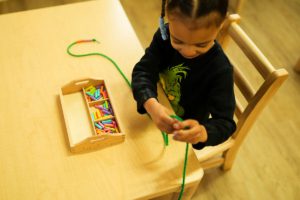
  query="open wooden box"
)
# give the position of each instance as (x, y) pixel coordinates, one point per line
(91, 122)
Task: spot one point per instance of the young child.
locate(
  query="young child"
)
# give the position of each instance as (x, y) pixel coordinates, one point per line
(195, 74)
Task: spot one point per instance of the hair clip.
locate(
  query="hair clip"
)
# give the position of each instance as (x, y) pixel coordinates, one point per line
(163, 29)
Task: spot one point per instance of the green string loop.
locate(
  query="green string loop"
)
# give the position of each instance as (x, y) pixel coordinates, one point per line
(165, 136)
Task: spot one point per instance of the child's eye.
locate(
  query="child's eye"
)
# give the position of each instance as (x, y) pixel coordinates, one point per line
(201, 45)
(177, 42)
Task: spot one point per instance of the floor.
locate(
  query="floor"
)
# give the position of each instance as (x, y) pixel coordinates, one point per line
(268, 163)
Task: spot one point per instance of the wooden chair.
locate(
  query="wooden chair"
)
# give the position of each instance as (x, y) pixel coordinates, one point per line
(225, 153)
(235, 6)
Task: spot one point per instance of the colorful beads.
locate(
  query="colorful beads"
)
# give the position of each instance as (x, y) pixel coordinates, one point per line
(101, 110)
(95, 93)
(106, 126)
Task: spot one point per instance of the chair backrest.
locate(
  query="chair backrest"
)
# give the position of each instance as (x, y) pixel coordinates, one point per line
(235, 5)
(256, 99)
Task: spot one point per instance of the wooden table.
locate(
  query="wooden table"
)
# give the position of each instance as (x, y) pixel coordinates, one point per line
(35, 162)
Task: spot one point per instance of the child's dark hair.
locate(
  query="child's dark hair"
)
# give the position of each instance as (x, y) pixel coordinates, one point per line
(197, 8)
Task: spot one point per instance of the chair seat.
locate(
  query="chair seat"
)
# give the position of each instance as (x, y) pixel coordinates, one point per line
(213, 151)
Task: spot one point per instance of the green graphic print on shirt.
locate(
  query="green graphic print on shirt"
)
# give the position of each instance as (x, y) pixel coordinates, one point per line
(170, 80)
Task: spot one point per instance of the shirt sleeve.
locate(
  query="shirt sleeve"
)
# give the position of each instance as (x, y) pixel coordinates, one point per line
(145, 73)
(221, 107)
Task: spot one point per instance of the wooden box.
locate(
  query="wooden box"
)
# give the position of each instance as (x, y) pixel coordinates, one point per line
(91, 122)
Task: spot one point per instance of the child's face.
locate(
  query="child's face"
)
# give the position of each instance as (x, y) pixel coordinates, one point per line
(191, 38)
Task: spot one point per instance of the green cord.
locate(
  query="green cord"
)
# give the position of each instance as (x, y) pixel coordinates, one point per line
(98, 54)
(185, 161)
(165, 135)
(184, 170)
(166, 139)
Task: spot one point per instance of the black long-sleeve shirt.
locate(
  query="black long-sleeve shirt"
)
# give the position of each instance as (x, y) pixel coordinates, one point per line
(200, 88)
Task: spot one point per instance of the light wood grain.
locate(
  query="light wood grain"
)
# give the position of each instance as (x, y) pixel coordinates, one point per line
(267, 166)
(35, 159)
(297, 66)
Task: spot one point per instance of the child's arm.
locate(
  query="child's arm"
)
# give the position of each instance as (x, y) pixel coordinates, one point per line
(221, 104)
(145, 73)
(145, 76)
(160, 115)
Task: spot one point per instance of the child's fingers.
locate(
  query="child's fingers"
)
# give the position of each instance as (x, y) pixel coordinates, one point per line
(184, 135)
(195, 139)
(167, 128)
(166, 124)
(168, 120)
(192, 135)
(177, 125)
(189, 123)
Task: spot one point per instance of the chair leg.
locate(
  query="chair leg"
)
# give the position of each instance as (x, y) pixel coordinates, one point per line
(229, 157)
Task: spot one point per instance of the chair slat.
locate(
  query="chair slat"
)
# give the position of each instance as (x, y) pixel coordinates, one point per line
(212, 151)
(214, 162)
(261, 63)
(238, 109)
(243, 84)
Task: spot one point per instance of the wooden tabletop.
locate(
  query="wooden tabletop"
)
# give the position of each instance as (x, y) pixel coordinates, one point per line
(35, 161)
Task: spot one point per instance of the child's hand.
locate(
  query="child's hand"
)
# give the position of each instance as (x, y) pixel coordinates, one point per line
(160, 115)
(189, 131)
